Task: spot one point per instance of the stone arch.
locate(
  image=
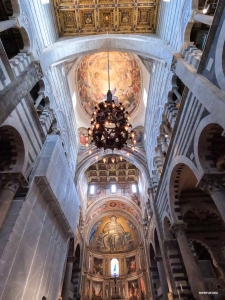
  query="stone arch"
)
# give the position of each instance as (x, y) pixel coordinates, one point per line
(220, 59)
(130, 217)
(209, 146)
(115, 197)
(214, 258)
(176, 182)
(166, 226)
(187, 22)
(206, 246)
(201, 207)
(138, 159)
(15, 7)
(12, 150)
(26, 39)
(148, 46)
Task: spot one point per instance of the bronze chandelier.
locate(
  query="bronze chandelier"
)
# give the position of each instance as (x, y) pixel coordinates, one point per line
(110, 127)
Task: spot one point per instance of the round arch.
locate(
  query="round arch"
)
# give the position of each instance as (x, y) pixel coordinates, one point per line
(166, 221)
(15, 7)
(175, 170)
(149, 46)
(201, 144)
(12, 160)
(26, 39)
(136, 158)
(207, 247)
(107, 198)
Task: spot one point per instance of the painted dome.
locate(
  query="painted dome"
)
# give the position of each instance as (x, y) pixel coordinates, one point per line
(92, 80)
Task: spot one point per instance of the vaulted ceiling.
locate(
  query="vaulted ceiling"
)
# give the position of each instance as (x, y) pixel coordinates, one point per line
(86, 17)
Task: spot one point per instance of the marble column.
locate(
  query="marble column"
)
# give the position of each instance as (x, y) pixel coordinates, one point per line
(164, 143)
(6, 196)
(194, 274)
(38, 100)
(214, 187)
(4, 25)
(162, 276)
(152, 272)
(205, 19)
(18, 89)
(177, 94)
(67, 278)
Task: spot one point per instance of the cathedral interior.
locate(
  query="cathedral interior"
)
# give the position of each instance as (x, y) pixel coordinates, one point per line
(112, 149)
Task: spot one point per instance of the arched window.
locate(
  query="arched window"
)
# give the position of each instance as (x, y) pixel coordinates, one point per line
(114, 267)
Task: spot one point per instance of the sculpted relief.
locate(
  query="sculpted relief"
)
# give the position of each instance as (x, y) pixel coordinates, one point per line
(113, 234)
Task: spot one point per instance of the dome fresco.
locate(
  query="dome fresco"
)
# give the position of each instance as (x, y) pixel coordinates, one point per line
(113, 233)
(92, 80)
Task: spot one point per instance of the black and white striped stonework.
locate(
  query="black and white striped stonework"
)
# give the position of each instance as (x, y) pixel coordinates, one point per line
(20, 62)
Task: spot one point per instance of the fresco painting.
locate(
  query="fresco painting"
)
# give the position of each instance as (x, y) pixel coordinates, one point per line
(98, 266)
(139, 135)
(133, 290)
(125, 81)
(97, 290)
(113, 234)
(131, 264)
(87, 290)
(82, 132)
(143, 289)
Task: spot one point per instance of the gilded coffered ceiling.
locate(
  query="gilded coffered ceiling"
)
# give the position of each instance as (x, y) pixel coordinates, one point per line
(86, 17)
(109, 172)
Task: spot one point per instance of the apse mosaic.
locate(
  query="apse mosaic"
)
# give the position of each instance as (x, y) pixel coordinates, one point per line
(92, 80)
(112, 205)
(112, 234)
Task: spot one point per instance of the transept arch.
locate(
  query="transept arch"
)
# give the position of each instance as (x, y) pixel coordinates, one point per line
(87, 160)
(149, 46)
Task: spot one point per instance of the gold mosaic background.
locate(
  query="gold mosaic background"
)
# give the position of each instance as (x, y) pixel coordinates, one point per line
(86, 17)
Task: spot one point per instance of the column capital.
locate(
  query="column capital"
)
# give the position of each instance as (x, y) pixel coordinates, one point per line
(178, 228)
(150, 191)
(71, 259)
(12, 185)
(17, 22)
(211, 183)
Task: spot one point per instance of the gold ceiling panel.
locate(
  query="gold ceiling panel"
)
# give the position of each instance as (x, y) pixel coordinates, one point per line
(86, 17)
(120, 171)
